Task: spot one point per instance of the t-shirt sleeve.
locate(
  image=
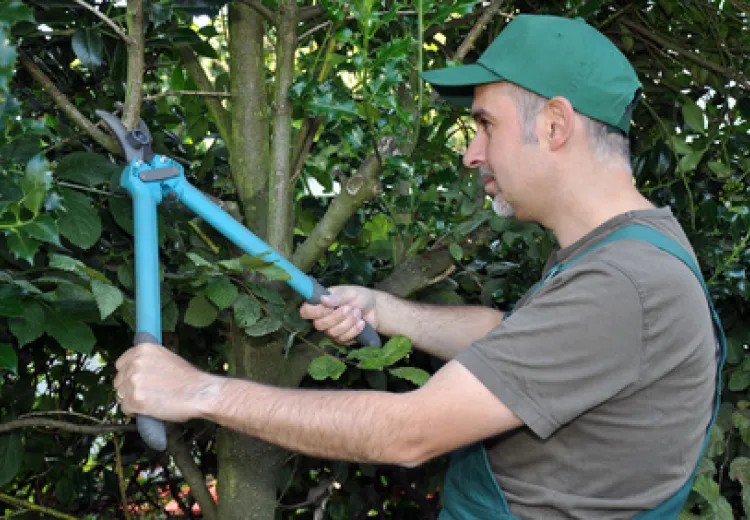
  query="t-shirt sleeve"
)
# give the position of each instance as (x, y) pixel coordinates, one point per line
(574, 345)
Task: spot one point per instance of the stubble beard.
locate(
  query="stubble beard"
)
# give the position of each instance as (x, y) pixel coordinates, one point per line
(500, 206)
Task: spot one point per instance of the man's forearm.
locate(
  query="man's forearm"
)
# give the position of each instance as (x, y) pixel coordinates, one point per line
(348, 425)
(440, 330)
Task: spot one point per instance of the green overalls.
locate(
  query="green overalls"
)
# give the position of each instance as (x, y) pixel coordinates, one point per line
(471, 491)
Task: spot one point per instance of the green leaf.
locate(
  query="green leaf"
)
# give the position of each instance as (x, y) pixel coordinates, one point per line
(741, 421)
(324, 367)
(44, 228)
(23, 246)
(693, 116)
(707, 488)
(396, 348)
(198, 260)
(108, 298)
(200, 313)
(274, 272)
(11, 307)
(720, 169)
(739, 380)
(121, 210)
(267, 294)
(416, 375)
(691, 161)
(263, 326)
(31, 326)
(739, 471)
(91, 169)
(71, 335)
(251, 263)
(456, 251)
(13, 11)
(126, 276)
(8, 358)
(327, 105)
(81, 223)
(65, 263)
(169, 316)
(11, 456)
(221, 292)
(35, 183)
(87, 44)
(247, 311)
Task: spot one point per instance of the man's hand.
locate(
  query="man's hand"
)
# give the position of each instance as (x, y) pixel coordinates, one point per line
(342, 315)
(153, 381)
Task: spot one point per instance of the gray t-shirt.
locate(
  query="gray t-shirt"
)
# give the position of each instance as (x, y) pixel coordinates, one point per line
(611, 365)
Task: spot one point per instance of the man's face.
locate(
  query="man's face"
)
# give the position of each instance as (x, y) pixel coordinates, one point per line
(504, 161)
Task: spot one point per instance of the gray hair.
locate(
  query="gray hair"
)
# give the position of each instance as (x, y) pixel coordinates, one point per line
(604, 143)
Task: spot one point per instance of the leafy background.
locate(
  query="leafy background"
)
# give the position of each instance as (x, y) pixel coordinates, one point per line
(361, 123)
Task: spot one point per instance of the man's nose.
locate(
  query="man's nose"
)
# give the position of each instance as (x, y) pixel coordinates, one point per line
(474, 157)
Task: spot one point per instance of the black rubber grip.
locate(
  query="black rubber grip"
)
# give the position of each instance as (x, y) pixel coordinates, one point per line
(367, 338)
(153, 431)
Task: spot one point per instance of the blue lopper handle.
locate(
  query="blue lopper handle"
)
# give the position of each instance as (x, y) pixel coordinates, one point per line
(153, 431)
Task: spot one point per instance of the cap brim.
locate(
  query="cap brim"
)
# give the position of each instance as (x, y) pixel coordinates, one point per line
(456, 84)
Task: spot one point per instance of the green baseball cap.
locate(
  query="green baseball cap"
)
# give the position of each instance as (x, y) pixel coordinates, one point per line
(551, 56)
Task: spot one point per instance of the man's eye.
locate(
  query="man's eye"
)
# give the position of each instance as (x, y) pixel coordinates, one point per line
(484, 123)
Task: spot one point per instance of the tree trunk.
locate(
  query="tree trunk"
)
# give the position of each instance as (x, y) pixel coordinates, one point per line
(248, 467)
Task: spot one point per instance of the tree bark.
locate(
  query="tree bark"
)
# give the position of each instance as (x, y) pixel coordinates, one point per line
(281, 207)
(249, 155)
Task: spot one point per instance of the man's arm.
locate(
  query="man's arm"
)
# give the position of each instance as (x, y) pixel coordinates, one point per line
(440, 330)
(453, 409)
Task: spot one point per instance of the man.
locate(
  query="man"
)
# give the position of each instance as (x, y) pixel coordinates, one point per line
(593, 398)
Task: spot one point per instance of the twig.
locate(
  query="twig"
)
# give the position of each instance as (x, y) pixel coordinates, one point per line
(191, 473)
(315, 29)
(87, 189)
(110, 143)
(32, 422)
(34, 507)
(695, 58)
(204, 93)
(62, 412)
(262, 9)
(121, 477)
(106, 20)
(217, 111)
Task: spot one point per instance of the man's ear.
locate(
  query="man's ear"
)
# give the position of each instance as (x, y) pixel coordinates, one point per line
(558, 122)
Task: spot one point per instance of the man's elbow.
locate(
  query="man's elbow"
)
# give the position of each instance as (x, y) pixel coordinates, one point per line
(414, 449)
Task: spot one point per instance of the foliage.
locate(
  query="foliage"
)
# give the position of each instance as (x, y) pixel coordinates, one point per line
(66, 261)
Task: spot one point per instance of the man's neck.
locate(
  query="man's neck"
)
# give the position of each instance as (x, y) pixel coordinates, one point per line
(588, 209)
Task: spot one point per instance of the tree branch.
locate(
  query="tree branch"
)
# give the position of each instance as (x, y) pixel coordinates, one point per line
(215, 108)
(281, 209)
(23, 504)
(249, 153)
(201, 93)
(355, 191)
(310, 11)
(116, 28)
(33, 422)
(136, 60)
(263, 10)
(695, 58)
(191, 473)
(418, 272)
(478, 29)
(109, 143)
